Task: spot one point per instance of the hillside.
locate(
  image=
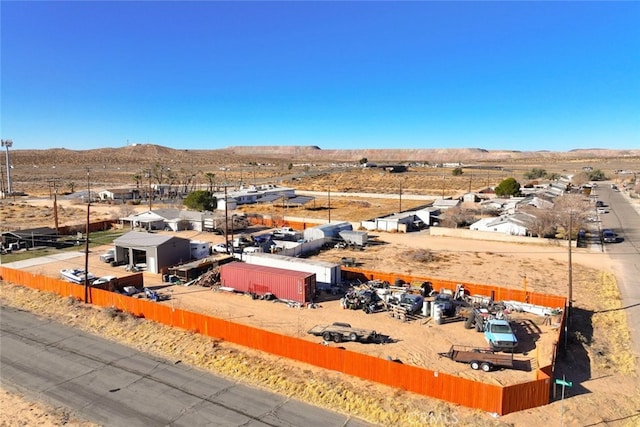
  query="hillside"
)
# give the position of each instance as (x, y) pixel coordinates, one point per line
(309, 166)
(151, 153)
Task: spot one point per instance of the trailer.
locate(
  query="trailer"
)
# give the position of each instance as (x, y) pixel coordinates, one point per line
(339, 332)
(479, 358)
(354, 237)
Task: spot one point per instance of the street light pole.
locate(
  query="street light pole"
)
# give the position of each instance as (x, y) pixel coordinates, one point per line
(8, 143)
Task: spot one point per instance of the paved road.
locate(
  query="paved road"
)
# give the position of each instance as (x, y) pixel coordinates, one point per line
(114, 385)
(624, 219)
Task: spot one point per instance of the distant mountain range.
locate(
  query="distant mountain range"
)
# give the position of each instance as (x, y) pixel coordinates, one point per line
(134, 153)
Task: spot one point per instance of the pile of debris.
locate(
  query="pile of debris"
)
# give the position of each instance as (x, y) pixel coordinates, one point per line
(209, 279)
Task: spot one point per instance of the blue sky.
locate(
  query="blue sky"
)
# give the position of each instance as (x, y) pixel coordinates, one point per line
(206, 75)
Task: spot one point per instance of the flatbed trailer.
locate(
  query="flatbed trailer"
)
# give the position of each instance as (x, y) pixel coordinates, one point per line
(479, 358)
(339, 332)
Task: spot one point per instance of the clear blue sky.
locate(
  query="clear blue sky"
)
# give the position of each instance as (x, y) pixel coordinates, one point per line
(205, 75)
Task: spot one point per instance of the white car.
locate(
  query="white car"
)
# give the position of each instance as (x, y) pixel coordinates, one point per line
(220, 248)
(102, 280)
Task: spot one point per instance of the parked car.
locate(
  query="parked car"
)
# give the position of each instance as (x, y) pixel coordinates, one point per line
(103, 280)
(608, 236)
(602, 210)
(108, 256)
(220, 248)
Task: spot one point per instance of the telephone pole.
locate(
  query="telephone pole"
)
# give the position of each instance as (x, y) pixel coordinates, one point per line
(53, 183)
(86, 244)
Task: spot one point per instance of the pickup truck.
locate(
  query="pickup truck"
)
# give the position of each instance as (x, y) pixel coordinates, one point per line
(499, 335)
(339, 332)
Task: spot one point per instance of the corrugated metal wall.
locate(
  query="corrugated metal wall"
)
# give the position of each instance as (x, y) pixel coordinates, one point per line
(284, 284)
(483, 396)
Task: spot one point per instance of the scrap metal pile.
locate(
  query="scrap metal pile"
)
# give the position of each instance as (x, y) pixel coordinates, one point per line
(209, 279)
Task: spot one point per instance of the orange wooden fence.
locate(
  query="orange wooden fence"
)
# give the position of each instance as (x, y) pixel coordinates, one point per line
(483, 396)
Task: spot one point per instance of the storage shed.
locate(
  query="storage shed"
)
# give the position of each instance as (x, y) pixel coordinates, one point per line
(157, 251)
(331, 230)
(260, 280)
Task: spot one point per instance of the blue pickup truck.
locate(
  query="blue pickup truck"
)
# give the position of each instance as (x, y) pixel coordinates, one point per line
(499, 335)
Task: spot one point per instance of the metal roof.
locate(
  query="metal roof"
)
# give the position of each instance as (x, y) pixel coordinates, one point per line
(137, 238)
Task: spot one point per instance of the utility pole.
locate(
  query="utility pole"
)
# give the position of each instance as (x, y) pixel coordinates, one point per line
(569, 303)
(400, 198)
(4, 195)
(226, 221)
(8, 143)
(148, 174)
(86, 246)
(54, 184)
(329, 198)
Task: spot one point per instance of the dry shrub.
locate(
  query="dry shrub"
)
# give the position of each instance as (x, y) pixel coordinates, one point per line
(419, 255)
(611, 348)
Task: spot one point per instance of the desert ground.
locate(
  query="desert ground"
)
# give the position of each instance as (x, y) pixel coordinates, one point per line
(599, 360)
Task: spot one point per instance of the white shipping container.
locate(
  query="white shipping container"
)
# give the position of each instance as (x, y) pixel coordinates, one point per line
(199, 249)
(327, 273)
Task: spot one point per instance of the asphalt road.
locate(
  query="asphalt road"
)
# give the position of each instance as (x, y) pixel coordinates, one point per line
(114, 385)
(624, 220)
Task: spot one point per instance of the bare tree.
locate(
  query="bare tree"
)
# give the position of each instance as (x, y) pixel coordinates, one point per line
(458, 217)
(186, 179)
(211, 178)
(543, 221)
(126, 210)
(571, 211)
(580, 179)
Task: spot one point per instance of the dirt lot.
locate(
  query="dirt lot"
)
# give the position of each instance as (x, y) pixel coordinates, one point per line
(599, 359)
(606, 388)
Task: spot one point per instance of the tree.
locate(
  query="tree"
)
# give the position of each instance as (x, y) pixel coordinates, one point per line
(290, 166)
(200, 201)
(457, 172)
(508, 187)
(457, 217)
(364, 160)
(72, 186)
(596, 175)
(535, 173)
(580, 179)
(543, 222)
(211, 178)
(571, 208)
(138, 179)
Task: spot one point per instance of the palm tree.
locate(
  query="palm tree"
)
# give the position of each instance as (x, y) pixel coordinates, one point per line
(138, 179)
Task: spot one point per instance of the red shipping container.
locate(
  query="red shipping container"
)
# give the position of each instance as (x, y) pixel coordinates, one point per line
(257, 279)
